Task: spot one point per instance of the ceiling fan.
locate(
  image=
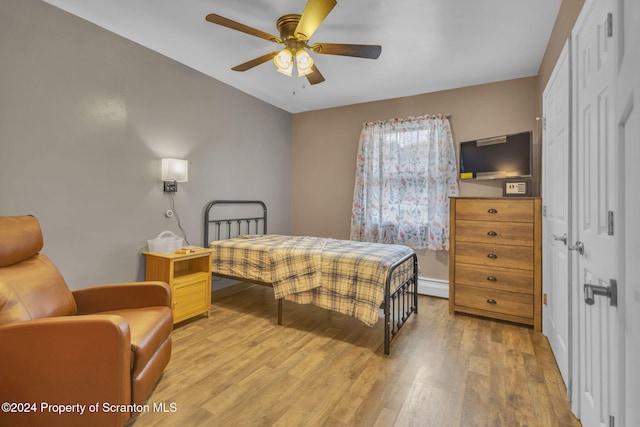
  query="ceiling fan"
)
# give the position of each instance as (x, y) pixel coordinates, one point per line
(295, 32)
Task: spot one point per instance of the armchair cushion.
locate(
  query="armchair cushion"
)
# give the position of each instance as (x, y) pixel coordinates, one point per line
(21, 239)
(33, 289)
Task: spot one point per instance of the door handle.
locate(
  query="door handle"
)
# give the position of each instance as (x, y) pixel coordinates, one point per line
(578, 246)
(611, 291)
(562, 238)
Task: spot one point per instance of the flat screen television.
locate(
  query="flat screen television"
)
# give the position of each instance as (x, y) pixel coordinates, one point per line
(506, 156)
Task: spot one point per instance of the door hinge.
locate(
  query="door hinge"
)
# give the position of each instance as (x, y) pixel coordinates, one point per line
(544, 211)
(544, 299)
(544, 123)
(609, 25)
(612, 421)
(610, 223)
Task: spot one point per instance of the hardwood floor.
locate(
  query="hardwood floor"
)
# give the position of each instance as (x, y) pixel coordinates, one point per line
(238, 368)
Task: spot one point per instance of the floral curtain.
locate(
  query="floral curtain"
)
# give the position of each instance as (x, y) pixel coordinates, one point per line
(405, 172)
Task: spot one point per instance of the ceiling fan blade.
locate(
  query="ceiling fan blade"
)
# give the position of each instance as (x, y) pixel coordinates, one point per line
(314, 13)
(225, 22)
(254, 62)
(359, 50)
(315, 77)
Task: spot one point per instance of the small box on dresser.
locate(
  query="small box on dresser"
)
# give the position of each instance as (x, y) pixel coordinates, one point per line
(495, 258)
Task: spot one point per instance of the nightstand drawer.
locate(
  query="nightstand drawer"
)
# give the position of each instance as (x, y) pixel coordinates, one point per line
(495, 210)
(190, 278)
(520, 257)
(509, 303)
(503, 233)
(505, 279)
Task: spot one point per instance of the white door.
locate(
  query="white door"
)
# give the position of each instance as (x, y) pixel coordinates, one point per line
(595, 180)
(556, 185)
(627, 120)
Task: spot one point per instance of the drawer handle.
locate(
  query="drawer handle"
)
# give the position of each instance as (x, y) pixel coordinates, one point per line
(492, 279)
(492, 301)
(493, 256)
(492, 234)
(492, 211)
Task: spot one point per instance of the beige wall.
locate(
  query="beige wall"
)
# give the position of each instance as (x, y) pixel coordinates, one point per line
(325, 144)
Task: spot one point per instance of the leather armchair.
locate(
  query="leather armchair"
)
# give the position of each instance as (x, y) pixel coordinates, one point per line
(98, 352)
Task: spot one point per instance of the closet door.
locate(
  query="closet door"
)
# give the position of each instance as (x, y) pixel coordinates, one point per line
(627, 121)
(556, 195)
(596, 247)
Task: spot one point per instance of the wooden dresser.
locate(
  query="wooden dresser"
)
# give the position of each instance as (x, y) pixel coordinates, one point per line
(495, 256)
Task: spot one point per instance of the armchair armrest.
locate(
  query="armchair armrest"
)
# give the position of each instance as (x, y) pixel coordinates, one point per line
(66, 360)
(122, 296)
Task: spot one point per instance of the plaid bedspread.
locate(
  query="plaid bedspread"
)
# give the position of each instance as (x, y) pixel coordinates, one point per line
(339, 275)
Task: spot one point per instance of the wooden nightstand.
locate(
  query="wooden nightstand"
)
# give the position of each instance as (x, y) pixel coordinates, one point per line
(188, 275)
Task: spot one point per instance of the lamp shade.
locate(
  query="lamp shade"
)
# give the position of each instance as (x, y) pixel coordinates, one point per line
(175, 170)
(304, 63)
(284, 61)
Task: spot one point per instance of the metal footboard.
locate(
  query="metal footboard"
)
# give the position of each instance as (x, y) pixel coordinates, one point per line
(226, 228)
(401, 303)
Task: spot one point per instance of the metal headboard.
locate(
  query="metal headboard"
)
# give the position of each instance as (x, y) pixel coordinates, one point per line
(225, 228)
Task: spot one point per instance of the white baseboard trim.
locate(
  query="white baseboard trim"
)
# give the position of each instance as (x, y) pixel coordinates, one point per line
(433, 287)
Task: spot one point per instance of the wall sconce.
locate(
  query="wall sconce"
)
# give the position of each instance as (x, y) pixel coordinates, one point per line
(173, 172)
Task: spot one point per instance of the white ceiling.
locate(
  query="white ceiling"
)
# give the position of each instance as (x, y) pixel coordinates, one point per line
(427, 45)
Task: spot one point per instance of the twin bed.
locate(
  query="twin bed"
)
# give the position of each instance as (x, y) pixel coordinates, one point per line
(352, 278)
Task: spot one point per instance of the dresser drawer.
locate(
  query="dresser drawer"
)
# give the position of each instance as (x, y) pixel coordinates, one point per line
(520, 257)
(495, 301)
(504, 233)
(505, 279)
(495, 210)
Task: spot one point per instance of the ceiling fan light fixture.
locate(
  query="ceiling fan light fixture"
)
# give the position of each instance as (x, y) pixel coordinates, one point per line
(295, 31)
(304, 63)
(284, 61)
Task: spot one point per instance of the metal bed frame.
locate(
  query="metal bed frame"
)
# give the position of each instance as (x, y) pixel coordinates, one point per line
(398, 305)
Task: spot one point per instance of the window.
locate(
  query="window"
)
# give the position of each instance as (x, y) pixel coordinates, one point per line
(405, 173)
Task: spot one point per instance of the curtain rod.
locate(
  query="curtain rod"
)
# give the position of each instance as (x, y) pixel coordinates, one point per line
(407, 119)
